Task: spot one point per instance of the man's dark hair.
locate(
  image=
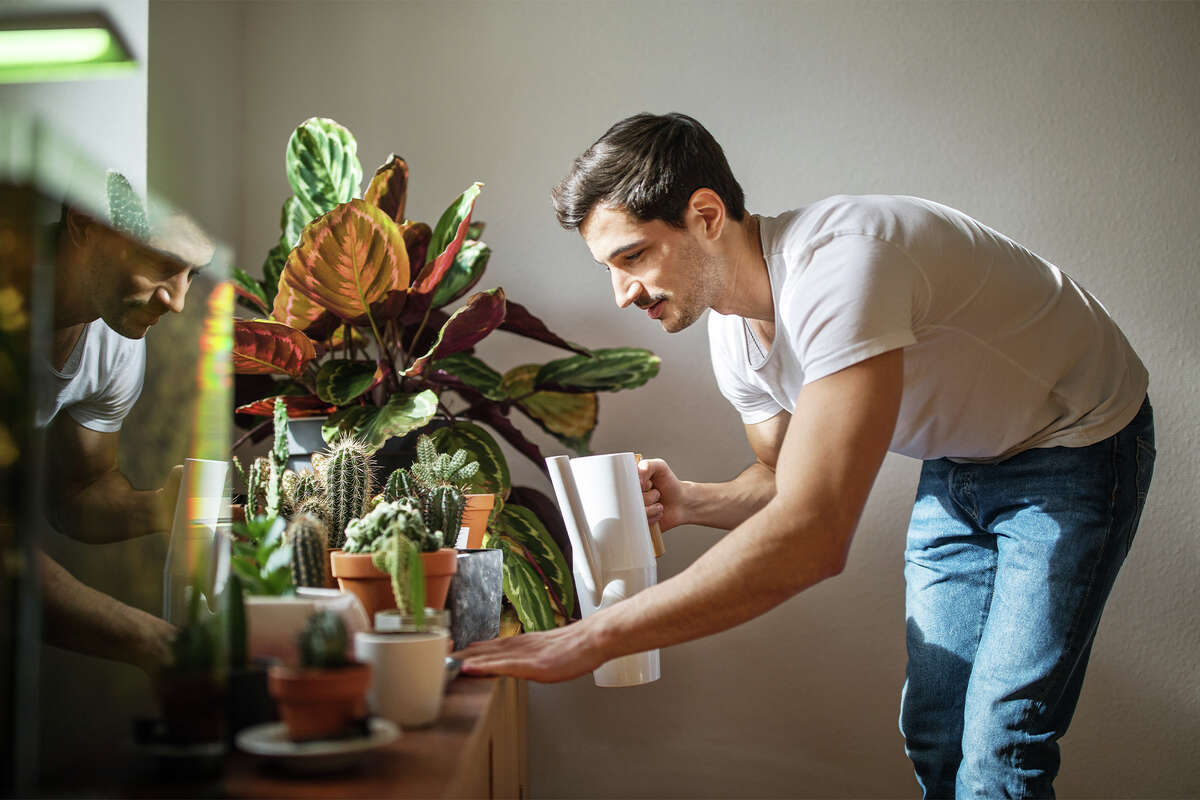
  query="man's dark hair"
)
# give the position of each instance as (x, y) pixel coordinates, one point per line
(648, 165)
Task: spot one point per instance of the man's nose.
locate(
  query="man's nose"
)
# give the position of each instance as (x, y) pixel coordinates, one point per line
(625, 290)
(173, 293)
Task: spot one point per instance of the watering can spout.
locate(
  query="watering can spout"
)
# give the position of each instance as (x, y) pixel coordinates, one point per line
(576, 523)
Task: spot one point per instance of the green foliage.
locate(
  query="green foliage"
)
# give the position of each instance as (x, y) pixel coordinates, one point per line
(258, 481)
(370, 533)
(400, 484)
(536, 579)
(347, 479)
(306, 534)
(443, 509)
(323, 642)
(432, 469)
(262, 556)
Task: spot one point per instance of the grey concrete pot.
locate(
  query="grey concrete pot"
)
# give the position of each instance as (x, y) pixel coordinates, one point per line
(476, 591)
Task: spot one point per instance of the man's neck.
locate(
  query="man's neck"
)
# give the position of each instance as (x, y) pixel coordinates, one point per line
(748, 293)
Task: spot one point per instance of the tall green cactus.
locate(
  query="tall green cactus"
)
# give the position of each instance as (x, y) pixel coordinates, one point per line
(258, 478)
(347, 473)
(443, 509)
(279, 457)
(307, 535)
(400, 484)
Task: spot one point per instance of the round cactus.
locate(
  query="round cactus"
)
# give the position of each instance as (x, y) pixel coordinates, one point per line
(367, 535)
(400, 484)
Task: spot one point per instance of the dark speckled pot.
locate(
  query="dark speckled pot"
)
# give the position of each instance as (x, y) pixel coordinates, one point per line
(476, 591)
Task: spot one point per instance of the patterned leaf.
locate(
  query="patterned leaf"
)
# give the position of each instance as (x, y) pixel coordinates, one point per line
(376, 424)
(297, 407)
(607, 370)
(541, 568)
(250, 290)
(272, 270)
(292, 219)
(448, 237)
(474, 373)
(547, 511)
(524, 588)
(125, 209)
(341, 380)
(402, 413)
(347, 259)
(571, 417)
(389, 187)
(481, 315)
(501, 424)
(493, 468)
(518, 320)
(264, 347)
(417, 236)
(464, 273)
(322, 165)
(475, 230)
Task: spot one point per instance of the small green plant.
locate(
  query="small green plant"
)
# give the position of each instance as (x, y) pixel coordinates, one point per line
(279, 457)
(433, 469)
(323, 641)
(258, 481)
(306, 535)
(262, 557)
(392, 531)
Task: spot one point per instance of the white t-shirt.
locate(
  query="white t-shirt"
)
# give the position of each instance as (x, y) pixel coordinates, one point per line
(1002, 351)
(100, 381)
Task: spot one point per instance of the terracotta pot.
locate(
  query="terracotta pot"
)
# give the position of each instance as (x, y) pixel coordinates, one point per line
(319, 703)
(330, 581)
(440, 567)
(357, 574)
(475, 518)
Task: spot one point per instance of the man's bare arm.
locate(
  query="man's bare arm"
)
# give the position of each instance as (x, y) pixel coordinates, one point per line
(89, 499)
(834, 446)
(77, 617)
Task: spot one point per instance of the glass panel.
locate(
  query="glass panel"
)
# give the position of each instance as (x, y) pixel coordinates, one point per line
(115, 341)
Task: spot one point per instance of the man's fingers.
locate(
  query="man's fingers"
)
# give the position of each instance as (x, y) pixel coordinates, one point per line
(651, 497)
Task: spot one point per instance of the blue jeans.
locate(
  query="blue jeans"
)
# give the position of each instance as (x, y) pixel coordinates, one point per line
(1007, 569)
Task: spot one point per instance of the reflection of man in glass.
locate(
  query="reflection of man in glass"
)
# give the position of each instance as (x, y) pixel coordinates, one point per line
(109, 290)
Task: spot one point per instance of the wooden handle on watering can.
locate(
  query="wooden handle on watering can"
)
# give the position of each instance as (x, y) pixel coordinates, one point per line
(655, 531)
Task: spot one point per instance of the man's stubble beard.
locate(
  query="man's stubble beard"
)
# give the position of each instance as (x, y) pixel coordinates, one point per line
(702, 290)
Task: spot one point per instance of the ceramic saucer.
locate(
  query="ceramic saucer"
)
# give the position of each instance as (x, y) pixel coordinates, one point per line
(271, 741)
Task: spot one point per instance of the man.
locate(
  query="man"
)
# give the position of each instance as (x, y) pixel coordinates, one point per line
(840, 331)
(109, 289)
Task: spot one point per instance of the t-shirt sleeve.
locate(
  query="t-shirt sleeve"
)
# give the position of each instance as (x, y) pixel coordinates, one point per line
(852, 301)
(752, 403)
(107, 410)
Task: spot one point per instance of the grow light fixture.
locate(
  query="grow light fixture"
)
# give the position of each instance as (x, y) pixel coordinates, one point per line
(62, 47)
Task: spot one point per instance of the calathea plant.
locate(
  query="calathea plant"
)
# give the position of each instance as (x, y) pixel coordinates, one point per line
(353, 323)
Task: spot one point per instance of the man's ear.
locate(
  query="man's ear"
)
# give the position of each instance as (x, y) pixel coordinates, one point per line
(706, 211)
(77, 226)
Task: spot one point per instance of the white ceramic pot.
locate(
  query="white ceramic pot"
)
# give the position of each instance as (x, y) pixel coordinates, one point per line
(408, 674)
(273, 623)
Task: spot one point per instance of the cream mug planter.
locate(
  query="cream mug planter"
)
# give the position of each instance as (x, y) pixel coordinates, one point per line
(273, 623)
(408, 673)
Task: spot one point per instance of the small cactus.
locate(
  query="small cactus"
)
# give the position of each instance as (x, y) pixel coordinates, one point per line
(443, 510)
(279, 457)
(399, 557)
(347, 479)
(368, 534)
(287, 494)
(400, 484)
(432, 469)
(257, 480)
(323, 641)
(306, 534)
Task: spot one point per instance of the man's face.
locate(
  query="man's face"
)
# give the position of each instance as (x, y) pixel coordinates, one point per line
(659, 268)
(131, 284)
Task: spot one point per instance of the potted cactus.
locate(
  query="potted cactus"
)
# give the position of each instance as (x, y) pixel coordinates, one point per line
(441, 483)
(326, 694)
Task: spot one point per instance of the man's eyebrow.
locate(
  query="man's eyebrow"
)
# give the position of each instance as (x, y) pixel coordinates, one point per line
(625, 248)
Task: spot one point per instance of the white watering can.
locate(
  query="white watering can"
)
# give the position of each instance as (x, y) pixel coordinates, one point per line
(601, 502)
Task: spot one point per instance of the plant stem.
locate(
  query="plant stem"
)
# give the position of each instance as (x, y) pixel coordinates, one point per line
(250, 433)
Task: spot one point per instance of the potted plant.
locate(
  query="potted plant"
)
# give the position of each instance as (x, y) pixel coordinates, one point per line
(352, 327)
(440, 484)
(326, 694)
(192, 690)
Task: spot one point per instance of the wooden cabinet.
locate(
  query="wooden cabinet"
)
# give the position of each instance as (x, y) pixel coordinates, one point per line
(477, 749)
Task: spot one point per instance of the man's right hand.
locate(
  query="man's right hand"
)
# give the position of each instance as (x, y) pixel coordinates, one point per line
(662, 493)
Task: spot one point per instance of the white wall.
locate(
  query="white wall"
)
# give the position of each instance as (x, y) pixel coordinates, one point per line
(1068, 126)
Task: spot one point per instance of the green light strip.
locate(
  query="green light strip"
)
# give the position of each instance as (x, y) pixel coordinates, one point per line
(32, 48)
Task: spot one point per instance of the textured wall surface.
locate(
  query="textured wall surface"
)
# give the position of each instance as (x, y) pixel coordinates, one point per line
(1070, 127)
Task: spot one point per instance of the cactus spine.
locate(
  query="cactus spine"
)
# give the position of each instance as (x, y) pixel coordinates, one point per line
(279, 457)
(306, 533)
(400, 484)
(347, 473)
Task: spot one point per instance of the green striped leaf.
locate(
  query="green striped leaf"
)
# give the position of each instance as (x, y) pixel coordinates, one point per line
(464, 273)
(341, 380)
(322, 165)
(569, 417)
(402, 413)
(273, 269)
(292, 219)
(524, 589)
(520, 524)
(607, 370)
(348, 421)
(474, 373)
(448, 236)
(493, 468)
(250, 292)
